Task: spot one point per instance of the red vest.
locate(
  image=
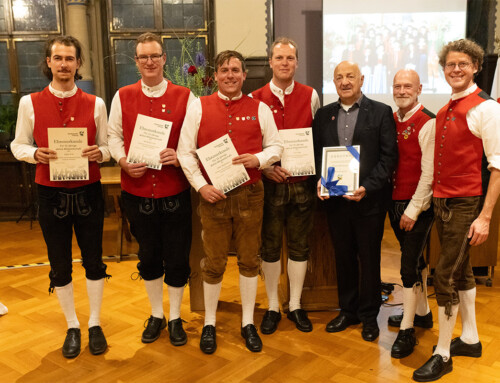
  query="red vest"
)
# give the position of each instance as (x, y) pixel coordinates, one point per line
(295, 114)
(170, 180)
(239, 119)
(457, 153)
(409, 169)
(72, 112)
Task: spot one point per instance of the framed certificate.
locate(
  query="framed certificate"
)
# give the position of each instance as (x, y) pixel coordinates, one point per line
(149, 139)
(344, 160)
(217, 159)
(298, 153)
(69, 144)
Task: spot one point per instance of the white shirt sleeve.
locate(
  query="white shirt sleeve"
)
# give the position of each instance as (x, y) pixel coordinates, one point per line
(186, 149)
(421, 199)
(271, 141)
(484, 123)
(115, 130)
(101, 122)
(23, 147)
(314, 102)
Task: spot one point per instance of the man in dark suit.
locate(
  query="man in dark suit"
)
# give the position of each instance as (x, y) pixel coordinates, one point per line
(356, 222)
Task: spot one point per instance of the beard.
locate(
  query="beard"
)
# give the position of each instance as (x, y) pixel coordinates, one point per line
(403, 102)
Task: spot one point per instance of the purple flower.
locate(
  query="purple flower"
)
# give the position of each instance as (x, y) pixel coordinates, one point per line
(200, 59)
(185, 68)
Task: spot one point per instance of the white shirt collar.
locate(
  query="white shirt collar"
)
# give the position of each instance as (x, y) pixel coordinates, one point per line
(227, 98)
(408, 115)
(278, 91)
(469, 90)
(63, 93)
(154, 91)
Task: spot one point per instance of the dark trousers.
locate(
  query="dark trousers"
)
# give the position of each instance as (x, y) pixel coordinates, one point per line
(59, 211)
(162, 227)
(357, 242)
(412, 243)
(290, 204)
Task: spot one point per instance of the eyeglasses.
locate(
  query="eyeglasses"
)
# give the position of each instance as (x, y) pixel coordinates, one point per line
(143, 59)
(461, 65)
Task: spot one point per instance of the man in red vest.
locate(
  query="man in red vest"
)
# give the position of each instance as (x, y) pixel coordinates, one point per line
(156, 202)
(251, 127)
(467, 130)
(68, 205)
(410, 214)
(287, 200)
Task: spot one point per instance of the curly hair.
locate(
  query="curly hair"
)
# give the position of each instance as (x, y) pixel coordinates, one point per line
(469, 47)
(284, 41)
(68, 41)
(224, 56)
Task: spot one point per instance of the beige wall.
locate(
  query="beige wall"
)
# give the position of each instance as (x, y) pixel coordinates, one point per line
(241, 25)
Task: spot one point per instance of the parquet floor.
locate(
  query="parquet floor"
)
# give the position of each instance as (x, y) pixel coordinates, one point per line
(31, 334)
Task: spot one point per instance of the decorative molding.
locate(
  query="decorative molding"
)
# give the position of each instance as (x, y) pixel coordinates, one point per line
(77, 2)
(269, 23)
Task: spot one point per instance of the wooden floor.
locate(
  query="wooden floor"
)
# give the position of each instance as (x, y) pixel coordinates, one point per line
(31, 334)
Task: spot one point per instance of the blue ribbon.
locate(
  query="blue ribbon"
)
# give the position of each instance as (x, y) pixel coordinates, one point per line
(353, 151)
(331, 186)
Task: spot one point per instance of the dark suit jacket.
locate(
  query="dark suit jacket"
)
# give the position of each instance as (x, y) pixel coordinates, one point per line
(375, 132)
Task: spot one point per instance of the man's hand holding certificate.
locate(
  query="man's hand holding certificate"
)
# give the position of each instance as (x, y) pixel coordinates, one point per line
(68, 145)
(340, 173)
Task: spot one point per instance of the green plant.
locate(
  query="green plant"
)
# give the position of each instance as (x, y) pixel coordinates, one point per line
(8, 118)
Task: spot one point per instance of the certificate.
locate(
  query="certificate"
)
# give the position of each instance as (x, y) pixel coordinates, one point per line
(217, 159)
(68, 144)
(149, 139)
(298, 153)
(342, 162)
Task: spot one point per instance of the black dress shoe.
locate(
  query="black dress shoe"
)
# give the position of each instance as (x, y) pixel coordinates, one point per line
(178, 336)
(97, 340)
(252, 339)
(270, 322)
(370, 332)
(433, 369)
(460, 348)
(72, 343)
(424, 321)
(302, 322)
(207, 341)
(404, 343)
(340, 323)
(153, 329)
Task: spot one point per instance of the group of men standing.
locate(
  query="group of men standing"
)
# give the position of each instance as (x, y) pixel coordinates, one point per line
(439, 163)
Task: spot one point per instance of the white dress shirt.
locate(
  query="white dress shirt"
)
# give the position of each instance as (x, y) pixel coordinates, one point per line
(186, 151)
(23, 147)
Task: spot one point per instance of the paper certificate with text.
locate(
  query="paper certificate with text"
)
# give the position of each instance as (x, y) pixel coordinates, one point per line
(217, 159)
(68, 144)
(298, 153)
(344, 164)
(149, 139)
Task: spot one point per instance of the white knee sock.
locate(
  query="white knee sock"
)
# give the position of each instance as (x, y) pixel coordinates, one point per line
(446, 326)
(248, 292)
(296, 275)
(175, 298)
(211, 295)
(468, 314)
(94, 291)
(3, 309)
(410, 295)
(67, 302)
(422, 302)
(272, 271)
(154, 289)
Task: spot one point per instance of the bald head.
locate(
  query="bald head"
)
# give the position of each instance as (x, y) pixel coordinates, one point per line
(348, 81)
(406, 88)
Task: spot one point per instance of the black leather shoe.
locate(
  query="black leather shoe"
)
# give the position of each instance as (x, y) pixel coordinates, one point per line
(72, 343)
(433, 369)
(207, 342)
(340, 323)
(153, 329)
(404, 343)
(424, 321)
(252, 339)
(97, 340)
(460, 348)
(178, 336)
(270, 322)
(370, 332)
(302, 322)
